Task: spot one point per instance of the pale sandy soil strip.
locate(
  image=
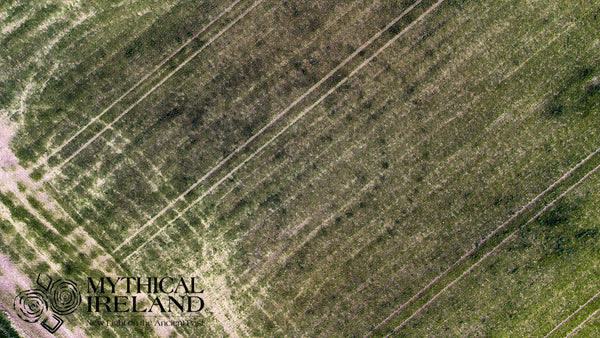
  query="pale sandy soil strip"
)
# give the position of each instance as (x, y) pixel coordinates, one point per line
(280, 115)
(22, 232)
(511, 236)
(12, 279)
(575, 330)
(45, 159)
(11, 173)
(572, 315)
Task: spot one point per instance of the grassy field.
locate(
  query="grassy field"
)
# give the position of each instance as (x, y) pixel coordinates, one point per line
(328, 168)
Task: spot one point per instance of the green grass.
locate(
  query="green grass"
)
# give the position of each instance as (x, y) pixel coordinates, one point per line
(6, 328)
(324, 225)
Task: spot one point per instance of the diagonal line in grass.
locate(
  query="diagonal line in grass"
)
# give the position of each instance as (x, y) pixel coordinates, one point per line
(572, 315)
(186, 61)
(278, 117)
(486, 239)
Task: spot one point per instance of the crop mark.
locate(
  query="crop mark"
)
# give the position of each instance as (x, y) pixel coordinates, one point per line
(572, 315)
(304, 112)
(468, 254)
(228, 9)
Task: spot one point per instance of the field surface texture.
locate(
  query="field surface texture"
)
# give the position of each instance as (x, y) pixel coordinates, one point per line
(419, 168)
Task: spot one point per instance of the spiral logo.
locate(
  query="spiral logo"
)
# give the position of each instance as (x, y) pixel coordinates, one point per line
(31, 305)
(64, 297)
